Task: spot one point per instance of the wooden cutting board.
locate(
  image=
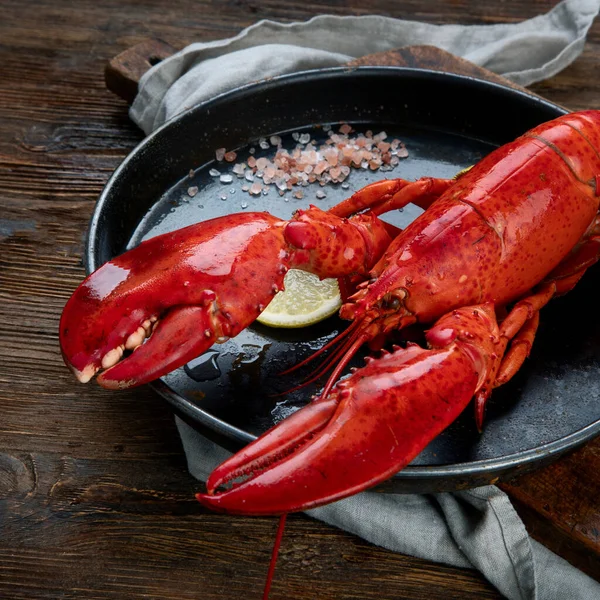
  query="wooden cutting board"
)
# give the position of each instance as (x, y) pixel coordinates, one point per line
(559, 503)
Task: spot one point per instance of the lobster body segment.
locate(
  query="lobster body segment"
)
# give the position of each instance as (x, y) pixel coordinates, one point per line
(501, 228)
(490, 250)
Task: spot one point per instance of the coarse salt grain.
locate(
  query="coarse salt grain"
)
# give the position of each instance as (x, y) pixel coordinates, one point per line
(320, 167)
(239, 169)
(255, 189)
(335, 173)
(261, 163)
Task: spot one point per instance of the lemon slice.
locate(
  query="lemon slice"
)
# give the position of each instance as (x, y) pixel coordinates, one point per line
(306, 300)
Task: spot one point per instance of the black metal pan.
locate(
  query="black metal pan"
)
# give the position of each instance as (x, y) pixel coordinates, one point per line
(447, 122)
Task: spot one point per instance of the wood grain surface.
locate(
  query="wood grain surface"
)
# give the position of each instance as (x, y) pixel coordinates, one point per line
(95, 499)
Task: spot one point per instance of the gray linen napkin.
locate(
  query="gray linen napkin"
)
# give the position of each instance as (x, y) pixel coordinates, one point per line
(524, 52)
(477, 528)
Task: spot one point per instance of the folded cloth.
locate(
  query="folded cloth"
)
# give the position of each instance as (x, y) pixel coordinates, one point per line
(477, 528)
(523, 52)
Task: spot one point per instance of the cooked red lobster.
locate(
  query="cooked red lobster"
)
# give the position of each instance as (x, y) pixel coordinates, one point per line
(491, 249)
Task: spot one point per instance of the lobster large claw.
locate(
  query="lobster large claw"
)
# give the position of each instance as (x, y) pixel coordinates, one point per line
(188, 289)
(368, 427)
(199, 285)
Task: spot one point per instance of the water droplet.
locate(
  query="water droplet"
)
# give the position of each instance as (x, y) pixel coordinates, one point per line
(205, 367)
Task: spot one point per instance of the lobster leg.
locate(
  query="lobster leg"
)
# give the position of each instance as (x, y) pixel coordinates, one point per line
(423, 192)
(516, 327)
(391, 194)
(522, 325)
(519, 350)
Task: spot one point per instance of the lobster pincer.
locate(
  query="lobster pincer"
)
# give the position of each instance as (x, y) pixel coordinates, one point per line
(175, 287)
(368, 427)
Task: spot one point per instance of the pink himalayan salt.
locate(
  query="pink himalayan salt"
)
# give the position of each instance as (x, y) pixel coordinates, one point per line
(256, 189)
(331, 162)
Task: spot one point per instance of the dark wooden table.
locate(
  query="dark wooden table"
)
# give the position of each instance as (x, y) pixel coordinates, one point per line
(95, 499)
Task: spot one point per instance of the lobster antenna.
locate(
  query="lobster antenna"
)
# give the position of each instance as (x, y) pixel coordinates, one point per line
(274, 556)
(345, 352)
(360, 340)
(333, 342)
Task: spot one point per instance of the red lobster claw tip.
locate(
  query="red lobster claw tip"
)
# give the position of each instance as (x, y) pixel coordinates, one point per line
(111, 314)
(179, 336)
